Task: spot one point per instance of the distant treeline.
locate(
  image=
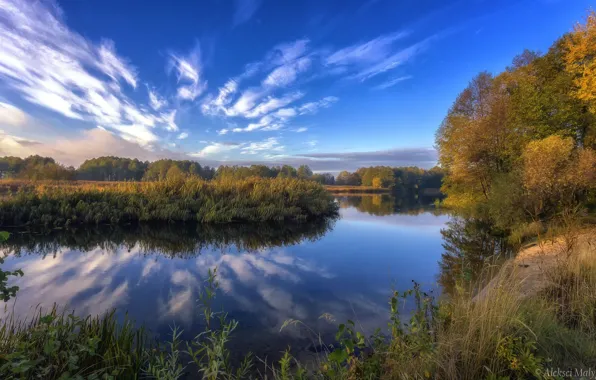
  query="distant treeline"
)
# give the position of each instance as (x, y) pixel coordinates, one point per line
(401, 180)
(125, 169)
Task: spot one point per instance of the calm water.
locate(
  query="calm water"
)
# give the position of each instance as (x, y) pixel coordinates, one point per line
(267, 275)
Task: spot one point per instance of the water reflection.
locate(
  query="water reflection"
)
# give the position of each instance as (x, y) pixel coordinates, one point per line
(387, 204)
(268, 274)
(173, 240)
(470, 245)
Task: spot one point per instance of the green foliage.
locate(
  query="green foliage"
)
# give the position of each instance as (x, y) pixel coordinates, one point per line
(6, 292)
(519, 355)
(348, 179)
(64, 346)
(166, 365)
(34, 168)
(112, 169)
(158, 170)
(208, 349)
(176, 199)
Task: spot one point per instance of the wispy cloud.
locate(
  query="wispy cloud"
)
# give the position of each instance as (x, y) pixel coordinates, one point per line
(11, 116)
(189, 72)
(313, 107)
(216, 148)
(392, 82)
(55, 68)
(301, 129)
(182, 136)
(287, 74)
(156, 101)
(393, 61)
(245, 9)
(379, 55)
(365, 53)
(270, 144)
(283, 66)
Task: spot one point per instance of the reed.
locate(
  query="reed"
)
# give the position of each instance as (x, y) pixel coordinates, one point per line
(60, 204)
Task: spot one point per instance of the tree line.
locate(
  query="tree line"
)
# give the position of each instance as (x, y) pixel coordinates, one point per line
(518, 147)
(109, 168)
(401, 180)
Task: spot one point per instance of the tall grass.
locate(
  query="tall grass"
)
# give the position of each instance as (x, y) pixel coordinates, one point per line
(191, 199)
(58, 345)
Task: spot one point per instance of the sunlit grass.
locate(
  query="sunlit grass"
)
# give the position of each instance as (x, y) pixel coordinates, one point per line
(58, 204)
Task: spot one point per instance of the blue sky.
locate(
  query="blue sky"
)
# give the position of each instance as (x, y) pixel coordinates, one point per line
(333, 84)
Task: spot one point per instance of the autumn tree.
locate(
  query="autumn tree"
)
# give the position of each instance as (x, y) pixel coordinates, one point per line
(304, 172)
(580, 59)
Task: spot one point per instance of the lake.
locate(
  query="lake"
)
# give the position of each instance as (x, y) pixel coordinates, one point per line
(345, 268)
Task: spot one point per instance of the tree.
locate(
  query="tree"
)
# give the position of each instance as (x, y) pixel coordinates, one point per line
(348, 179)
(377, 183)
(580, 59)
(287, 171)
(555, 176)
(174, 174)
(304, 172)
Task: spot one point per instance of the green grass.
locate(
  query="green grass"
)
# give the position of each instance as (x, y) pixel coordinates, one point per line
(57, 345)
(174, 200)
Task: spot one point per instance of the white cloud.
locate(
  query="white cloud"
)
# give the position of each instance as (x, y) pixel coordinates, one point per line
(286, 112)
(156, 101)
(288, 52)
(374, 57)
(189, 71)
(115, 66)
(371, 51)
(301, 129)
(286, 74)
(286, 62)
(191, 92)
(270, 144)
(313, 107)
(392, 82)
(11, 116)
(215, 148)
(169, 120)
(139, 134)
(272, 104)
(53, 67)
(74, 150)
(222, 132)
(182, 136)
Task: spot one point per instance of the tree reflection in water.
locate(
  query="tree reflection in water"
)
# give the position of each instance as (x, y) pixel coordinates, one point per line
(173, 240)
(471, 245)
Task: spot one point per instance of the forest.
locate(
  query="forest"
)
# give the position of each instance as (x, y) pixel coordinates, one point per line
(518, 146)
(399, 179)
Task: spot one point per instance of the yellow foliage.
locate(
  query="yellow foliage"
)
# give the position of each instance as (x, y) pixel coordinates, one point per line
(580, 59)
(377, 183)
(546, 162)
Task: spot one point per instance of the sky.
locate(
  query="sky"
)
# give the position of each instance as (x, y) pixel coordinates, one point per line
(335, 84)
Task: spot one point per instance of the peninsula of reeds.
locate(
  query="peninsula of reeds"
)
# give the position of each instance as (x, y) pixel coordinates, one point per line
(63, 204)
